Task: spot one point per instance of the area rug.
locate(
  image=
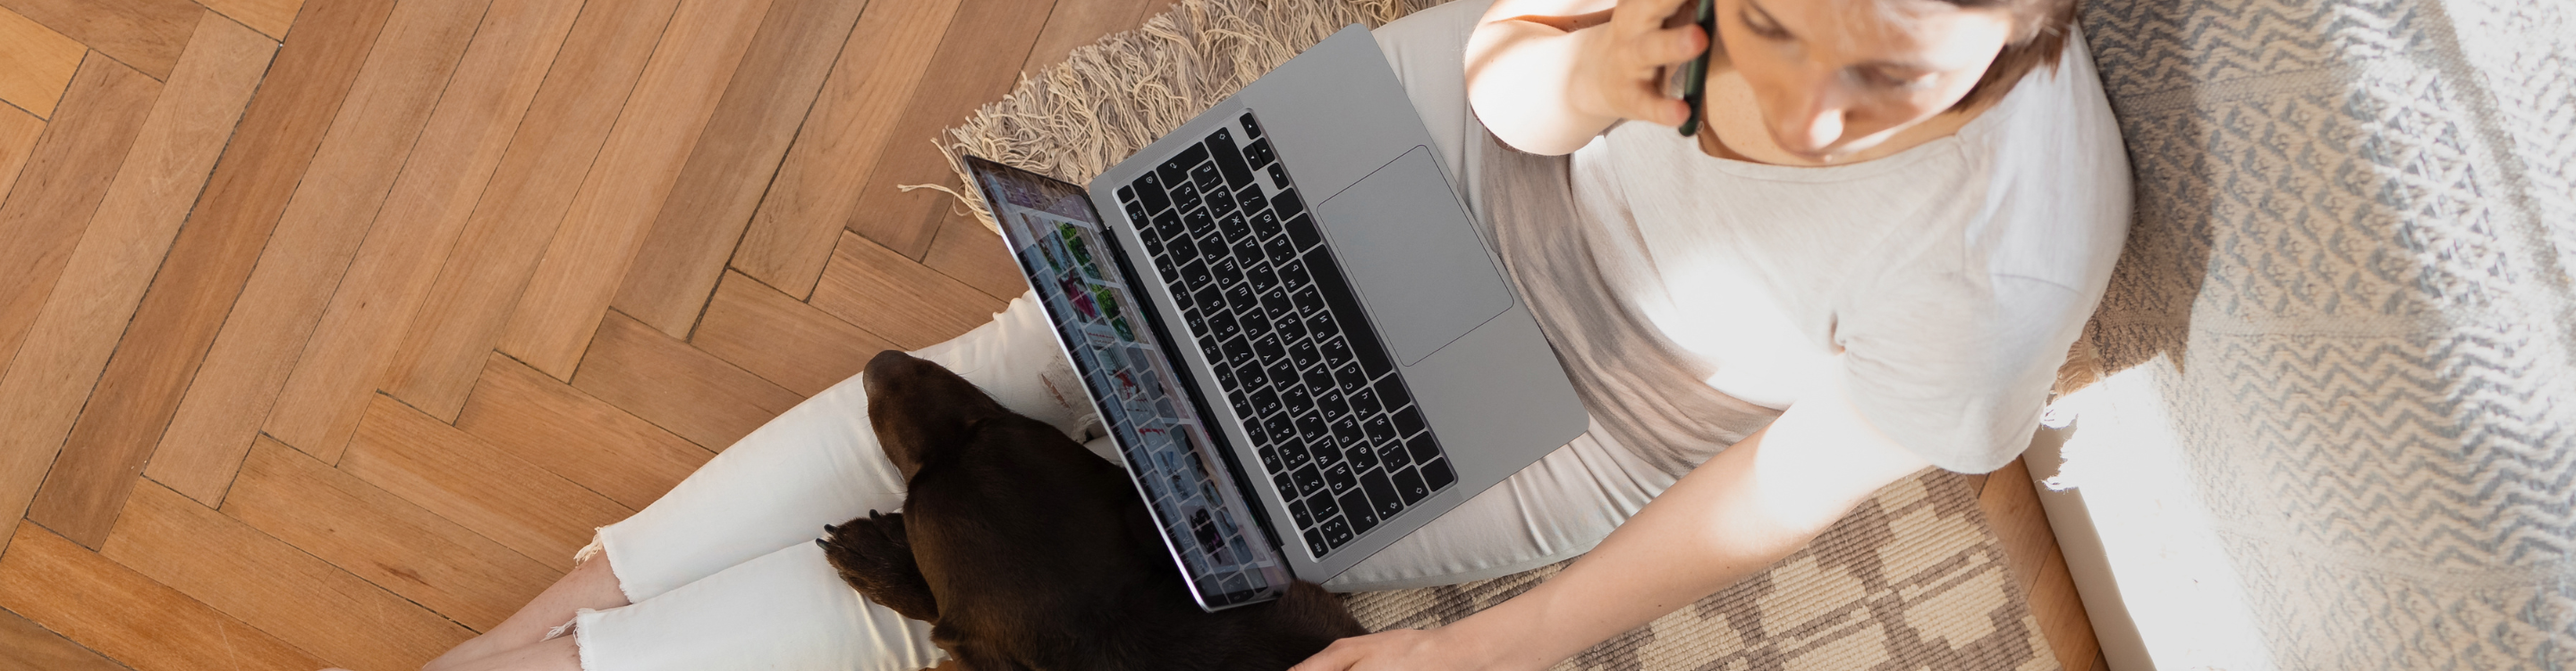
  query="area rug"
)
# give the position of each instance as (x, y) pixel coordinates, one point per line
(1914, 579)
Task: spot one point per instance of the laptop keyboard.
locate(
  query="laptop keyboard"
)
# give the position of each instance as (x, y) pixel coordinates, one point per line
(1292, 350)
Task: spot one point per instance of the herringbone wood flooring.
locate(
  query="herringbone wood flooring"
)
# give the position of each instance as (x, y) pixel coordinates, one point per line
(332, 352)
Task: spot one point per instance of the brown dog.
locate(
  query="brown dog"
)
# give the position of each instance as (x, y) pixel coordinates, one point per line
(1027, 551)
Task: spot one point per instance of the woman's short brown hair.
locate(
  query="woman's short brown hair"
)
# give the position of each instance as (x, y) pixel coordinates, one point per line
(2043, 26)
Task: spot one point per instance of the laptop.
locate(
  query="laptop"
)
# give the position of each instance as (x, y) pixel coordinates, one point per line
(1292, 327)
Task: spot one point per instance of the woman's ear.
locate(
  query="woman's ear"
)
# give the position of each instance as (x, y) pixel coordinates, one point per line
(919, 409)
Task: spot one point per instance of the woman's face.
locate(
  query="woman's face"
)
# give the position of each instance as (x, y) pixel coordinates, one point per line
(1835, 77)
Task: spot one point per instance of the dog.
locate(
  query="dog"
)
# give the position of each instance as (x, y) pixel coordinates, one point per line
(1028, 552)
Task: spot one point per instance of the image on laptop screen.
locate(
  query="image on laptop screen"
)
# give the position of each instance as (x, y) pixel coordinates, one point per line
(1056, 235)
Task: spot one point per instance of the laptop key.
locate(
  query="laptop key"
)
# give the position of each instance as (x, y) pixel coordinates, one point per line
(1236, 229)
(1239, 352)
(1338, 476)
(1227, 272)
(1201, 224)
(1293, 395)
(1196, 274)
(1258, 153)
(1279, 248)
(1329, 401)
(1408, 486)
(1303, 230)
(1315, 543)
(1207, 296)
(1219, 200)
(1221, 325)
(1250, 197)
(1308, 480)
(1276, 301)
(1239, 296)
(1424, 449)
(1356, 507)
(1409, 420)
(1365, 403)
(1264, 280)
(1318, 379)
(1263, 402)
(1292, 274)
(1207, 178)
(1351, 377)
(1176, 170)
(1149, 189)
(1347, 433)
(1382, 493)
(1297, 511)
(1265, 347)
(1279, 429)
(1186, 196)
(1304, 353)
(1252, 376)
(1391, 454)
(1361, 455)
(1310, 426)
(1293, 454)
(1135, 210)
(1436, 475)
(1229, 158)
(1287, 204)
(1257, 324)
(1270, 460)
(1337, 533)
(1251, 128)
(1378, 429)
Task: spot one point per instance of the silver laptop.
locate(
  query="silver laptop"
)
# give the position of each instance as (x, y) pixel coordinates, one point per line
(1299, 338)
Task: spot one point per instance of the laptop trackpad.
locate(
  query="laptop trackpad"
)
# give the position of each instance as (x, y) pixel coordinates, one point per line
(1414, 256)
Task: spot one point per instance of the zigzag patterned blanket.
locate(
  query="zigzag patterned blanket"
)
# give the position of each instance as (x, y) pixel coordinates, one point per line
(2346, 300)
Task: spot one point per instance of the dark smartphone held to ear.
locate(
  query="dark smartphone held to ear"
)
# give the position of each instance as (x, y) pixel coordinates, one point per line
(1690, 81)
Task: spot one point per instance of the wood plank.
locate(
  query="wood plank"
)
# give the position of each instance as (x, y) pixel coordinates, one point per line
(270, 17)
(268, 584)
(310, 249)
(677, 267)
(1078, 23)
(909, 304)
(35, 63)
(127, 616)
(344, 361)
(2060, 611)
(60, 186)
(68, 348)
(375, 535)
(791, 235)
(475, 484)
(978, 61)
(32, 648)
(207, 265)
(2011, 504)
(18, 133)
(970, 253)
(147, 35)
(675, 386)
(577, 436)
(782, 339)
(471, 302)
(596, 242)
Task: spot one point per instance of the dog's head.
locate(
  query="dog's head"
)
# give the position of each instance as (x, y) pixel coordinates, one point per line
(920, 411)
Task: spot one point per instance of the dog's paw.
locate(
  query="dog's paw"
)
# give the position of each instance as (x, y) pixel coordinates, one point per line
(872, 555)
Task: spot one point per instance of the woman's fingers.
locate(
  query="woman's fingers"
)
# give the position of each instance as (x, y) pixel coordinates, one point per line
(1336, 657)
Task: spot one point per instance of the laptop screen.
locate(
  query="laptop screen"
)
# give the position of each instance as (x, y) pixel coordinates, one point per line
(1085, 284)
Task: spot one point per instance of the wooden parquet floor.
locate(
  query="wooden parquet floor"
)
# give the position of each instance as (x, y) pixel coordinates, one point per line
(333, 327)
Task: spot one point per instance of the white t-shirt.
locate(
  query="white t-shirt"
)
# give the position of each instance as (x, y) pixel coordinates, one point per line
(1941, 284)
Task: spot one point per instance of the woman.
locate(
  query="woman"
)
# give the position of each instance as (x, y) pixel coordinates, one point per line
(1894, 222)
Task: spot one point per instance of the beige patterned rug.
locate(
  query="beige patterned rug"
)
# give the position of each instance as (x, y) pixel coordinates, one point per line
(1914, 579)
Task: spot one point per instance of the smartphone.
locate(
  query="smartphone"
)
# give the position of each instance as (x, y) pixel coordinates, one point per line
(1690, 82)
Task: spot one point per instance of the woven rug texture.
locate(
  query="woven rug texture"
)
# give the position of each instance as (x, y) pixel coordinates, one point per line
(1914, 579)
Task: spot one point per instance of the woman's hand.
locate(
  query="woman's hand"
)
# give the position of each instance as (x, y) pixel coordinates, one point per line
(1547, 75)
(1395, 650)
(1619, 69)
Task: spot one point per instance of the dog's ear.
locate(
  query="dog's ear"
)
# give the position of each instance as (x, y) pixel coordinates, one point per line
(917, 407)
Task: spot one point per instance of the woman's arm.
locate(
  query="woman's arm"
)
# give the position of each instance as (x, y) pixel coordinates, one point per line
(1547, 75)
(1753, 504)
